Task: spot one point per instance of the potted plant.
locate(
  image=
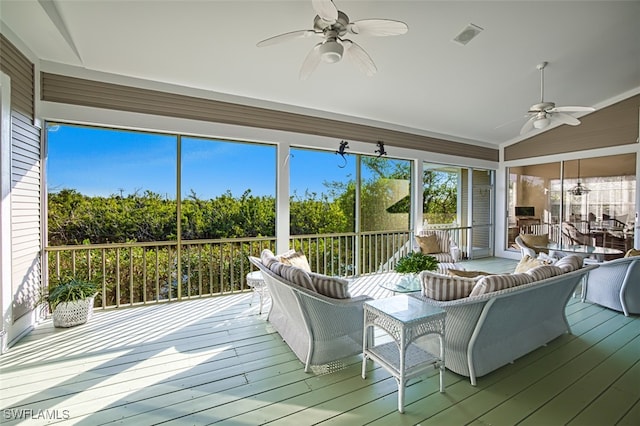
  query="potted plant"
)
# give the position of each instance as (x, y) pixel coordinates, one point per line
(416, 262)
(71, 301)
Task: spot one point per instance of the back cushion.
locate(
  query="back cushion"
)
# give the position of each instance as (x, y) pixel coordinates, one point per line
(295, 275)
(267, 258)
(429, 244)
(442, 287)
(330, 286)
(491, 283)
(569, 263)
(543, 272)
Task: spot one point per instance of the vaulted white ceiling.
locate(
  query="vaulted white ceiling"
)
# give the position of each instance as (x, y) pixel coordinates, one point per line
(426, 83)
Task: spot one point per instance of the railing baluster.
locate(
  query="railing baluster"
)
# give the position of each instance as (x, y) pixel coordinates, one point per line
(157, 274)
(224, 261)
(104, 278)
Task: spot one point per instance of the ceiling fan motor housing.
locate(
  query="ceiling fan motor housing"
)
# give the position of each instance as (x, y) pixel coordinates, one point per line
(339, 26)
(331, 49)
(543, 106)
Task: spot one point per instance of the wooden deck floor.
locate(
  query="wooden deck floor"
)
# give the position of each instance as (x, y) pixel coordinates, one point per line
(217, 360)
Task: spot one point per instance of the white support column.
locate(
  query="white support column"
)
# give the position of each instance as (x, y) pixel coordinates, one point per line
(282, 197)
(417, 195)
(636, 224)
(6, 293)
(470, 215)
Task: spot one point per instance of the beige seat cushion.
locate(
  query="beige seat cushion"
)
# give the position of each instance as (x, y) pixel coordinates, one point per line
(429, 244)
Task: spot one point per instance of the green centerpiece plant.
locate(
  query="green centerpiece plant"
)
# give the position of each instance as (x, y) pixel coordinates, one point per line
(416, 262)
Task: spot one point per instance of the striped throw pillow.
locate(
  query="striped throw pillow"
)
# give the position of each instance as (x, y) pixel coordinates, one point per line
(491, 283)
(569, 263)
(267, 258)
(543, 272)
(296, 275)
(442, 287)
(330, 286)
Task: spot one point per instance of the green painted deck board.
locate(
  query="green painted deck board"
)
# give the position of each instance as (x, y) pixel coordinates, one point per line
(631, 417)
(617, 399)
(215, 359)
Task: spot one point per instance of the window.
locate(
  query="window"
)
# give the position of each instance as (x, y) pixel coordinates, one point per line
(107, 186)
(322, 188)
(227, 188)
(594, 195)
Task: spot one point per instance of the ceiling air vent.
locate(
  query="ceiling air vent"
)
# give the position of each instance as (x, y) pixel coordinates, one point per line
(467, 34)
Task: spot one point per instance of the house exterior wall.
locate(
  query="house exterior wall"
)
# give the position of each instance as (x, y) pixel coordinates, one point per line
(25, 188)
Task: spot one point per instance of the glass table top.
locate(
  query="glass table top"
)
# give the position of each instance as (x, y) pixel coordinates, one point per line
(403, 283)
(404, 308)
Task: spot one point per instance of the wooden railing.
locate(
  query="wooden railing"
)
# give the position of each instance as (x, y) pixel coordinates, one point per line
(134, 274)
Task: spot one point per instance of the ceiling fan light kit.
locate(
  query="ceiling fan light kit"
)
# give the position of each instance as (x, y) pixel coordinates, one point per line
(333, 25)
(543, 114)
(541, 122)
(331, 51)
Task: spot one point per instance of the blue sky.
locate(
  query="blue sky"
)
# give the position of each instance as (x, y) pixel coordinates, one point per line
(103, 162)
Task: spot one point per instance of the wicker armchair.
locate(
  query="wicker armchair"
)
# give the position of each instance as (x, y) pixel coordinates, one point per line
(442, 247)
(574, 236)
(615, 285)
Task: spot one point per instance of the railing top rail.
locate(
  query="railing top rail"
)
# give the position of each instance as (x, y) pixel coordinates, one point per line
(154, 243)
(350, 234)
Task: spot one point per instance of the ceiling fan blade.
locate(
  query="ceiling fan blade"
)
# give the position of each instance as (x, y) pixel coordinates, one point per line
(287, 36)
(528, 125)
(310, 62)
(510, 122)
(378, 27)
(565, 118)
(361, 59)
(573, 109)
(326, 10)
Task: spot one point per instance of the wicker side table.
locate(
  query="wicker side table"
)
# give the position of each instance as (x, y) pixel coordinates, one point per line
(256, 282)
(405, 319)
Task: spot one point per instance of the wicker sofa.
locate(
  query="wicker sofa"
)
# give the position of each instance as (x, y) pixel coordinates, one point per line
(487, 331)
(318, 328)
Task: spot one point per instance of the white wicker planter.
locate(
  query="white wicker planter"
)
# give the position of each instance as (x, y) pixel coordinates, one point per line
(68, 314)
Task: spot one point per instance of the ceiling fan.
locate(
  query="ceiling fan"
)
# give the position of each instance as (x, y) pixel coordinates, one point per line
(544, 113)
(333, 25)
